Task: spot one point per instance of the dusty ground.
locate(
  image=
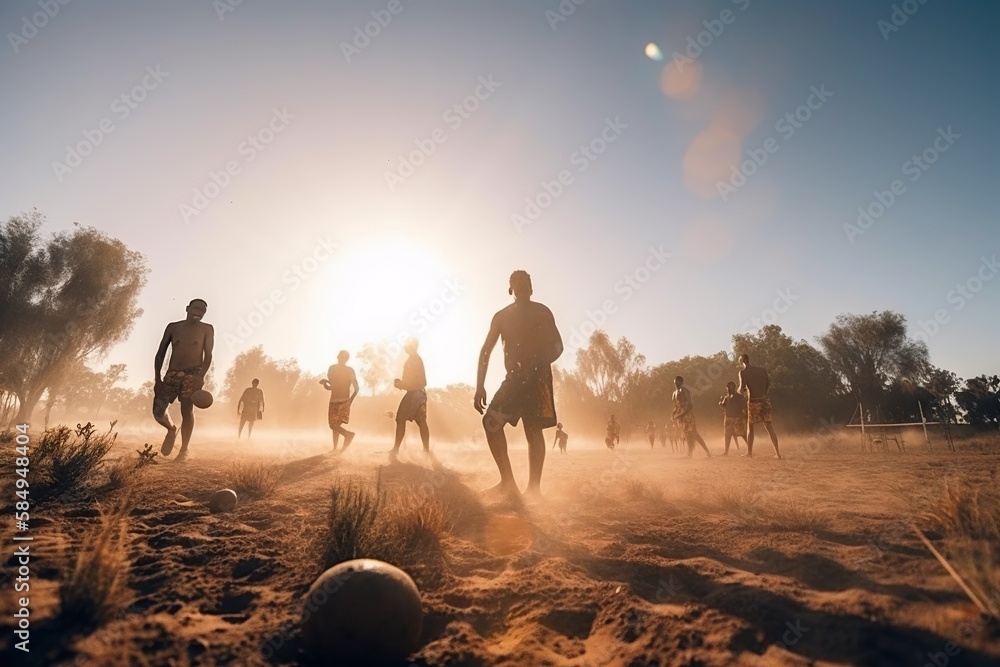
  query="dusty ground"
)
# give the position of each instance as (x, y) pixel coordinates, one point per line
(637, 557)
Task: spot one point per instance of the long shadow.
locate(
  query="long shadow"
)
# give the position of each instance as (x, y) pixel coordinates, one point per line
(295, 470)
(822, 635)
(815, 571)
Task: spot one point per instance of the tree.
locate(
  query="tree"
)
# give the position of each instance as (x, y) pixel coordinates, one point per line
(278, 380)
(61, 302)
(607, 369)
(979, 399)
(870, 352)
(803, 383)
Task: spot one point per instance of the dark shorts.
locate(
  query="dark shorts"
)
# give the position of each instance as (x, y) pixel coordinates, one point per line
(412, 407)
(736, 426)
(339, 413)
(177, 384)
(759, 410)
(249, 413)
(531, 399)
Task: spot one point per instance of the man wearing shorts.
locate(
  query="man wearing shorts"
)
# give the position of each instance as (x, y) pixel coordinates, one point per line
(191, 342)
(755, 381)
(413, 406)
(342, 384)
(251, 403)
(734, 407)
(531, 343)
(683, 416)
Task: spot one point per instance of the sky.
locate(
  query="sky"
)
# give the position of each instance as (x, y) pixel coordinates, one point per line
(329, 174)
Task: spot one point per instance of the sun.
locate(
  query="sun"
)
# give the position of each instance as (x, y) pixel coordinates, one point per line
(383, 292)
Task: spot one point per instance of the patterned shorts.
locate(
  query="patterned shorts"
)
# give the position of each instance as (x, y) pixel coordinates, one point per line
(178, 384)
(531, 399)
(736, 426)
(413, 407)
(759, 410)
(687, 423)
(339, 413)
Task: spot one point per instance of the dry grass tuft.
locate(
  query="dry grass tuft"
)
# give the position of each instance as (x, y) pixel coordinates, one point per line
(253, 479)
(354, 510)
(411, 527)
(968, 515)
(639, 490)
(66, 459)
(96, 590)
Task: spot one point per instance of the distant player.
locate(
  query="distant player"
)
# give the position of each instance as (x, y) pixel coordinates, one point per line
(413, 406)
(757, 384)
(561, 438)
(249, 407)
(683, 415)
(342, 384)
(734, 407)
(651, 433)
(612, 434)
(663, 436)
(674, 435)
(191, 342)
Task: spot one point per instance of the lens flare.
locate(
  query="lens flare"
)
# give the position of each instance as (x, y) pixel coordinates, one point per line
(653, 52)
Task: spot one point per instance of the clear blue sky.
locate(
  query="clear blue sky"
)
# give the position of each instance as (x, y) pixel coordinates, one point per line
(354, 255)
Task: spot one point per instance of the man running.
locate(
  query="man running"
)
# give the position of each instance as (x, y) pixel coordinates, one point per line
(683, 415)
(191, 342)
(413, 406)
(250, 407)
(757, 383)
(531, 343)
(342, 384)
(734, 407)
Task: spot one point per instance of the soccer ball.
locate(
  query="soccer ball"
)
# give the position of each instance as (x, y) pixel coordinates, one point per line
(201, 399)
(223, 500)
(365, 611)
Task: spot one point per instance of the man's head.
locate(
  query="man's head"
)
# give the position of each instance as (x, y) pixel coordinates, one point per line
(343, 356)
(679, 381)
(745, 360)
(196, 309)
(731, 388)
(520, 284)
(559, 426)
(411, 345)
(255, 383)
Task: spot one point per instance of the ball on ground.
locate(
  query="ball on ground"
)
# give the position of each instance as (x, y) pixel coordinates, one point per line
(201, 399)
(363, 610)
(223, 500)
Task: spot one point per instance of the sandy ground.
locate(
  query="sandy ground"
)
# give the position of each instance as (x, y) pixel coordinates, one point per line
(634, 557)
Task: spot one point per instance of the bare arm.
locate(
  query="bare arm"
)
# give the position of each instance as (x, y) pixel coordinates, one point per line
(161, 353)
(742, 386)
(207, 350)
(484, 354)
(354, 386)
(262, 400)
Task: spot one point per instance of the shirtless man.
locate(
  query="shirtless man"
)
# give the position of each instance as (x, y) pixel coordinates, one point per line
(684, 417)
(734, 425)
(250, 404)
(413, 405)
(531, 343)
(342, 384)
(756, 382)
(191, 342)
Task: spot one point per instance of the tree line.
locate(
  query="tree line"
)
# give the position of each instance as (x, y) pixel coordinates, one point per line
(67, 300)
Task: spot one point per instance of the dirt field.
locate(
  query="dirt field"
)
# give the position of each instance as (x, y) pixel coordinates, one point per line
(634, 557)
